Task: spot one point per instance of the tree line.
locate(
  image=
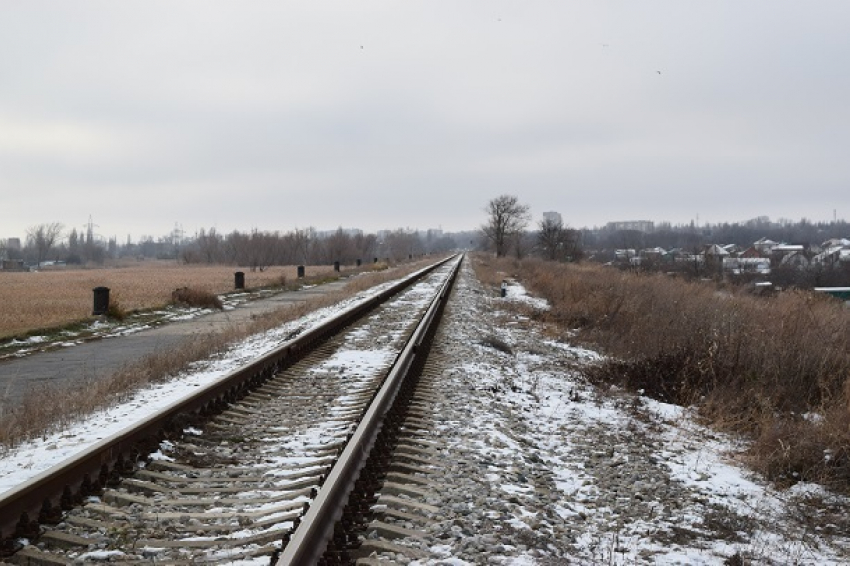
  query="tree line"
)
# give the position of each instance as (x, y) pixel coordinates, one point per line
(255, 250)
(505, 232)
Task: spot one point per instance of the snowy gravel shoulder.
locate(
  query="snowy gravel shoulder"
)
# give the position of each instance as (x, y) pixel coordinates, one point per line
(544, 468)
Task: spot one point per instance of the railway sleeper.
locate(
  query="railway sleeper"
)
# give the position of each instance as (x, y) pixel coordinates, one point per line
(386, 500)
(268, 537)
(68, 541)
(32, 556)
(236, 522)
(410, 490)
(399, 478)
(374, 547)
(399, 515)
(391, 532)
(130, 499)
(218, 476)
(295, 507)
(408, 468)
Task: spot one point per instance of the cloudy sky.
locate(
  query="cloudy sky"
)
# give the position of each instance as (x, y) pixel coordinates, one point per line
(384, 114)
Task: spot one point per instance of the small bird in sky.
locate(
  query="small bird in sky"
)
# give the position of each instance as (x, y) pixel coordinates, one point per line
(659, 72)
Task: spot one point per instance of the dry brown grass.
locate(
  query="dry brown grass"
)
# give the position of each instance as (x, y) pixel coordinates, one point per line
(49, 408)
(48, 299)
(751, 364)
(192, 297)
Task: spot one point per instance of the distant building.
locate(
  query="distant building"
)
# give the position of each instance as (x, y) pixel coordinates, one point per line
(347, 231)
(739, 265)
(12, 265)
(552, 216)
(715, 251)
(764, 246)
(430, 234)
(639, 225)
(13, 243)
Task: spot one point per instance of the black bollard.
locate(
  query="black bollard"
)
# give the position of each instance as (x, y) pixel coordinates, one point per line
(101, 300)
(239, 280)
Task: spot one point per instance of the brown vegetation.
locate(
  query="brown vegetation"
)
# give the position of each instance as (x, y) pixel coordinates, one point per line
(777, 368)
(48, 408)
(189, 296)
(47, 299)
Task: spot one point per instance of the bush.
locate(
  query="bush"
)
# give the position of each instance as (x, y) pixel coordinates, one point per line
(115, 311)
(187, 296)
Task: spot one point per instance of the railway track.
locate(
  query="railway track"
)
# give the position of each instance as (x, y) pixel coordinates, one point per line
(271, 465)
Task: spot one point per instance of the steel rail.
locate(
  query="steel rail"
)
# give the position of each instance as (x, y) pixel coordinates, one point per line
(310, 539)
(21, 507)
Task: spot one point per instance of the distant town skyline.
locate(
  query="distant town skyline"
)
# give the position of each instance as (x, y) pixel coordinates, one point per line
(181, 233)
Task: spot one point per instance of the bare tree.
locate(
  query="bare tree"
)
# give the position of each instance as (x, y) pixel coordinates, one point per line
(365, 246)
(506, 218)
(305, 241)
(338, 247)
(401, 244)
(209, 246)
(556, 242)
(43, 237)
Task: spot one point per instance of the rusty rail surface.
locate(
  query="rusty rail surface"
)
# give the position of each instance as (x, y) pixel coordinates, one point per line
(310, 539)
(40, 499)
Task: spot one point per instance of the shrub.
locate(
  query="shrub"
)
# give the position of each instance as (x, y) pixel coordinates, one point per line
(196, 298)
(115, 311)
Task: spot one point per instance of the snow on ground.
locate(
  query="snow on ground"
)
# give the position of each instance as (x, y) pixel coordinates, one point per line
(35, 457)
(574, 475)
(634, 481)
(514, 292)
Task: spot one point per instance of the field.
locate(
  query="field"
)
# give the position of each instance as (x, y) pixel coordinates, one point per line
(53, 298)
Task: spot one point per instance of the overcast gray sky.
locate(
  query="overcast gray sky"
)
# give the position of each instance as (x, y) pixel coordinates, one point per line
(383, 114)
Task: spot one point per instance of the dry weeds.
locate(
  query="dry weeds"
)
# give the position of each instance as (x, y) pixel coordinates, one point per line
(776, 368)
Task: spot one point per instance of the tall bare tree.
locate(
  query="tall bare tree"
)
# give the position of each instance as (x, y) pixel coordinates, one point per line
(42, 238)
(556, 242)
(506, 218)
(401, 244)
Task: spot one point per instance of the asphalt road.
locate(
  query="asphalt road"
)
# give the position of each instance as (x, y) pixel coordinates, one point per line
(100, 358)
